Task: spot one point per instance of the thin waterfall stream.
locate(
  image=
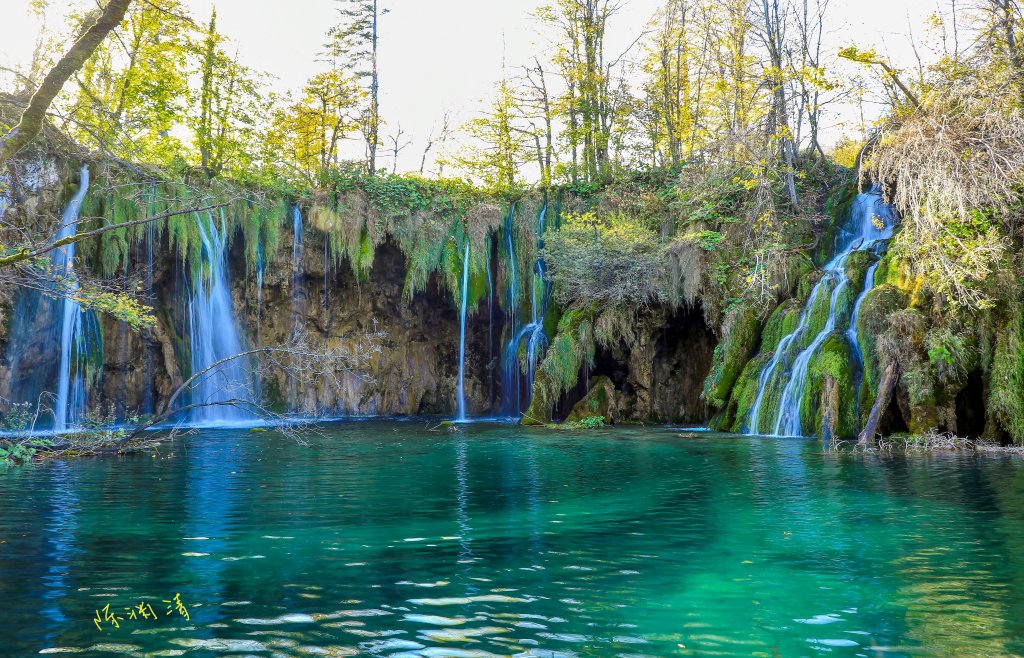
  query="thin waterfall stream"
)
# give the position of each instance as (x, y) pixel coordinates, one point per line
(533, 332)
(461, 386)
(70, 403)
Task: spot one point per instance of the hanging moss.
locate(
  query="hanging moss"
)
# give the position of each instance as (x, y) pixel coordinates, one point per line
(1005, 401)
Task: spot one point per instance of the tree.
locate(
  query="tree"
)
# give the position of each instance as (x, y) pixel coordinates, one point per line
(31, 121)
(810, 75)
(589, 104)
(399, 142)
(537, 108)
(870, 58)
(1002, 32)
(778, 118)
(227, 114)
(353, 46)
(497, 146)
(310, 131)
(442, 137)
(132, 93)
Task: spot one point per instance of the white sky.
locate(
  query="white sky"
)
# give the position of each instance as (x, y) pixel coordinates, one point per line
(445, 55)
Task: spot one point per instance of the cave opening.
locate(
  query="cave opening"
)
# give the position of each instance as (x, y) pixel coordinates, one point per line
(970, 407)
(892, 421)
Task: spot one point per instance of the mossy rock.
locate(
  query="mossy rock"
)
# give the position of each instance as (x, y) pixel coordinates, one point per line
(1005, 401)
(817, 318)
(834, 362)
(897, 273)
(731, 356)
(879, 303)
(800, 267)
(857, 265)
(744, 394)
(599, 401)
(541, 404)
(838, 208)
(782, 322)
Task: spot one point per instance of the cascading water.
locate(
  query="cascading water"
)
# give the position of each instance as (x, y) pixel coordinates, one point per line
(260, 265)
(533, 333)
(298, 290)
(75, 333)
(788, 421)
(147, 355)
(868, 229)
(461, 388)
(226, 389)
(510, 369)
(298, 297)
(490, 333)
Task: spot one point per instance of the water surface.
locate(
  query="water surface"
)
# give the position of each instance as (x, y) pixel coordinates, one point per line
(387, 539)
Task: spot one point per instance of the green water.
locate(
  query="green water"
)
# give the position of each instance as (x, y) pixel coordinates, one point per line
(386, 539)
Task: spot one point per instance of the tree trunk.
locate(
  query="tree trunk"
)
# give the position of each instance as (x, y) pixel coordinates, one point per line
(890, 377)
(31, 121)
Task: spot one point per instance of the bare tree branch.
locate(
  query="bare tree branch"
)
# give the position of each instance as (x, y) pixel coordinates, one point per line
(31, 121)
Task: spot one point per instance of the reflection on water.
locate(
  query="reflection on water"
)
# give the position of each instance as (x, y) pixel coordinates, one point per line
(385, 539)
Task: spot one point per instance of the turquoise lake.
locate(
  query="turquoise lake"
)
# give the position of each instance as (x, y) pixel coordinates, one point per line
(386, 539)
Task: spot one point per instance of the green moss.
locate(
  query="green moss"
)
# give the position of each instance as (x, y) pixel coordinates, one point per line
(588, 423)
(573, 346)
(817, 318)
(744, 394)
(879, 303)
(543, 401)
(800, 269)
(782, 322)
(732, 355)
(838, 209)
(598, 402)
(857, 265)
(833, 365)
(1006, 383)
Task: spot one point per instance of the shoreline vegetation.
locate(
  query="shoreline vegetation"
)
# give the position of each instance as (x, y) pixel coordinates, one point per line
(112, 443)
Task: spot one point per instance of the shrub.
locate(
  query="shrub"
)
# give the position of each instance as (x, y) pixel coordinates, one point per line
(607, 260)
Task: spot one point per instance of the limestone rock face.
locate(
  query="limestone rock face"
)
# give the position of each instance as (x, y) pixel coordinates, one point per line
(655, 378)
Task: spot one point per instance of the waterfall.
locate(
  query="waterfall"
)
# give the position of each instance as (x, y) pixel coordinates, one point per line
(788, 421)
(869, 227)
(147, 355)
(754, 420)
(533, 333)
(296, 238)
(490, 332)
(510, 369)
(259, 290)
(462, 338)
(298, 291)
(75, 332)
(214, 336)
